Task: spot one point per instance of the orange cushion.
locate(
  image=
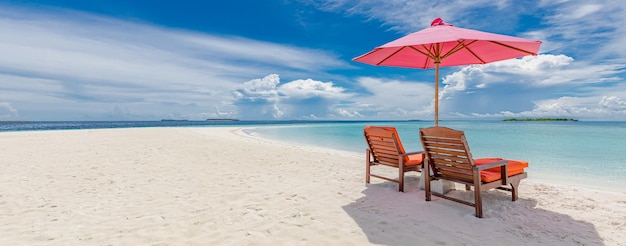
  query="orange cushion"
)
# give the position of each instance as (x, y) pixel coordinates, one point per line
(492, 174)
(414, 159)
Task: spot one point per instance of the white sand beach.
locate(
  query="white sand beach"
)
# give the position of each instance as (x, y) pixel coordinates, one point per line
(219, 186)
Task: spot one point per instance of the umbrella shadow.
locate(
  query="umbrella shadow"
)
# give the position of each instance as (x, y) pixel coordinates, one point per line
(389, 217)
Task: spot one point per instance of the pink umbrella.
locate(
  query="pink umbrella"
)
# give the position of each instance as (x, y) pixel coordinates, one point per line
(445, 45)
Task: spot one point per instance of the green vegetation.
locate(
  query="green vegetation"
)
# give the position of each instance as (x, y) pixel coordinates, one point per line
(539, 119)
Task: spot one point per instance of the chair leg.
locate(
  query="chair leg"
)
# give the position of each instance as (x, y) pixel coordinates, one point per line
(401, 178)
(367, 166)
(427, 180)
(478, 201)
(514, 188)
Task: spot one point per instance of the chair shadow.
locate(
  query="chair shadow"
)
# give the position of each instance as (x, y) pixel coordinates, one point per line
(389, 217)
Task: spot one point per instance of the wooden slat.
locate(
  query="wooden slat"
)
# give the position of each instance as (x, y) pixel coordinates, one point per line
(389, 154)
(457, 159)
(393, 162)
(441, 139)
(384, 148)
(375, 140)
(390, 147)
(456, 145)
(467, 169)
(460, 169)
(452, 172)
(445, 152)
(445, 143)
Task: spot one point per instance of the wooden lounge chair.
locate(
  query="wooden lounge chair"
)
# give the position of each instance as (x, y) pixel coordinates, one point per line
(448, 157)
(385, 148)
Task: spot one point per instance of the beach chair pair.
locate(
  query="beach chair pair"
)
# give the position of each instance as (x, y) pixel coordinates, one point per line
(446, 156)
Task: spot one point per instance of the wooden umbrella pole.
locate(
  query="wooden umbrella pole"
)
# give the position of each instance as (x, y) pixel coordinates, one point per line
(437, 92)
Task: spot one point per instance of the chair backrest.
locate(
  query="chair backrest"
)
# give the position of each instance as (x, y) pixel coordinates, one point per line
(448, 153)
(384, 143)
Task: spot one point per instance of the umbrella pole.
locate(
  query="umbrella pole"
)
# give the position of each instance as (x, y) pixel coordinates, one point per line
(436, 93)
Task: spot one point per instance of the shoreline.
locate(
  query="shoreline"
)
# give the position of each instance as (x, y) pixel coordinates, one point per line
(220, 185)
(588, 182)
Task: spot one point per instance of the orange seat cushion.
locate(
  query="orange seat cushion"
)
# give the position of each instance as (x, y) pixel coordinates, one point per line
(414, 159)
(515, 167)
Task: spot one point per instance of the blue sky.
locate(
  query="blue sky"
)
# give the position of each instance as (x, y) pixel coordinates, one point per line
(278, 59)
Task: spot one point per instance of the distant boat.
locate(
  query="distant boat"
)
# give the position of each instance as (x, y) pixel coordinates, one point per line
(222, 119)
(172, 120)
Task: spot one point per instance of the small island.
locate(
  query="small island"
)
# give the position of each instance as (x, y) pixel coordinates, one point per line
(539, 119)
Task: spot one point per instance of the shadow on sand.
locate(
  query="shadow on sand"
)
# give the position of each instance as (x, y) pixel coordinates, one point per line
(389, 217)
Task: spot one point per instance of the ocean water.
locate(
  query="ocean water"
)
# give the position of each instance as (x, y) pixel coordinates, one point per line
(586, 154)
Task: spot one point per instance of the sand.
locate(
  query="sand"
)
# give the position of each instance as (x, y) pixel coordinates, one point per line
(219, 186)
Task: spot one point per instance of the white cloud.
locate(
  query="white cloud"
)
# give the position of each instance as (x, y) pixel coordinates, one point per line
(310, 88)
(300, 99)
(67, 58)
(348, 114)
(278, 113)
(613, 104)
(260, 89)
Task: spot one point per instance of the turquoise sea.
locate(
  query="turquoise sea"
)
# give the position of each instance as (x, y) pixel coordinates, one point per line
(588, 154)
(584, 154)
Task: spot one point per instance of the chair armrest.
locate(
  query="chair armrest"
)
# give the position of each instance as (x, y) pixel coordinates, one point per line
(492, 165)
(503, 164)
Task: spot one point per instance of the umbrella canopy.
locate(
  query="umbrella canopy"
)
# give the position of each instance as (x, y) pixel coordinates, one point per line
(445, 45)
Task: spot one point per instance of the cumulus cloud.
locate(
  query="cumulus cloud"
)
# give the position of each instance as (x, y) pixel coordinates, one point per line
(258, 98)
(264, 98)
(613, 104)
(260, 89)
(309, 88)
